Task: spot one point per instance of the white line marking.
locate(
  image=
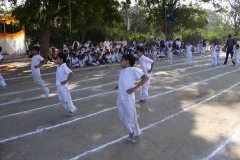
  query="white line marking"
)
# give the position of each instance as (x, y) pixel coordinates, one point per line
(152, 125)
(223, 144)
(74, 82)
(23, 77)
(96, 113)
(23, 112)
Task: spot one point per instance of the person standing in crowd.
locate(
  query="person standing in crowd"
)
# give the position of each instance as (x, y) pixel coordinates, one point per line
(169, 53)
(189, 49)
(214, 48)
(229, 49)
(2, 81)
(36, 63)
(126, 97)
(63, 76)
(236, 53)
(147, 66)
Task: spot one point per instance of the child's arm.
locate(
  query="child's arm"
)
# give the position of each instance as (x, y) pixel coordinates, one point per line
(70, 75)
(40, 64)
(150, 70)
(143, 80)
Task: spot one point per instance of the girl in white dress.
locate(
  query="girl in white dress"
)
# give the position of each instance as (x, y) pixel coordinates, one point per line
(189, 49)
(236, 52)
(215, 49)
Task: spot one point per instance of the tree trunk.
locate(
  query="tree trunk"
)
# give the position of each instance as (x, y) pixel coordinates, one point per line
(45, 34)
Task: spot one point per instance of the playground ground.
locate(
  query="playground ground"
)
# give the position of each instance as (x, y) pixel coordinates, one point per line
(192, 113)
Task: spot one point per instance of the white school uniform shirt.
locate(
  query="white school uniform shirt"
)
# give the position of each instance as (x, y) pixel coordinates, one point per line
(107, 44)
(188, 50)
(126, 81)
(146, 64)
(74, 61)
(113, 56)
(1, 57)
(62, 74)
(214, 50)
(36, 59)
(109, 57)
(236, 53)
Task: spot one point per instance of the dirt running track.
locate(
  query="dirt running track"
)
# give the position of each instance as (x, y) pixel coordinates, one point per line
(193, 113)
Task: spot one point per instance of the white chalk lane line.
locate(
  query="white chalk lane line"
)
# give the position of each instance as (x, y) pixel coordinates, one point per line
(45, 74)
(95, 78)
(23, 112)
(108, 109)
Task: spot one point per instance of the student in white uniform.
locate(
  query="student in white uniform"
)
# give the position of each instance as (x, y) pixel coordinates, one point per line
(169, 53)
(214, 51)
(2, 81)
(126, 97)
(75, 61)
(236, 52)
(189, 49)
(36, 63)
(63, 75)
(147, 66)
(154, 51)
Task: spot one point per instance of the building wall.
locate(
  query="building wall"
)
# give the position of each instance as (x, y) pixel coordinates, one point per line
(13, 43)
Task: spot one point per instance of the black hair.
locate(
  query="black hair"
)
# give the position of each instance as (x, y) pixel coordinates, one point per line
(36, 48)
(130, 58)
(141, 49)
(237, 45)
(0, 49)
(63, 56)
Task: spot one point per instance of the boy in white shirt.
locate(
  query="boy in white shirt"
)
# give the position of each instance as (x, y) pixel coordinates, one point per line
(2, 81)
(63, 75)
(147, 66)
(75, 61)
(36, 63)
(126, 97)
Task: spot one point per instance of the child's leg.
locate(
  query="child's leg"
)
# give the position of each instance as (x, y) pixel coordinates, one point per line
(2, 82)
(128, 116)
(38, 81)
(65, 98)
(144, 90)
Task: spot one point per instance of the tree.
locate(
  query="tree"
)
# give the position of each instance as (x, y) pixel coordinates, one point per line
(42, 15)
(186, 15)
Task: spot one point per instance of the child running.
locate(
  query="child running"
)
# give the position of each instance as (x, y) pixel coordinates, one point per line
(147, 66)
(36, 63)
(63, 75)
(126, 97)
(2, 81)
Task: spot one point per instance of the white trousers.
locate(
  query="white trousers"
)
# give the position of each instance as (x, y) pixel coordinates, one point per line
(39, 82)
(217, 57)
(235, 60)
(203, 50)
(2, 82)
(144, 90)
(65, 98)
(169, 57)
(214, 61)
(154, 56)
(189, 60)
(128, 115)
